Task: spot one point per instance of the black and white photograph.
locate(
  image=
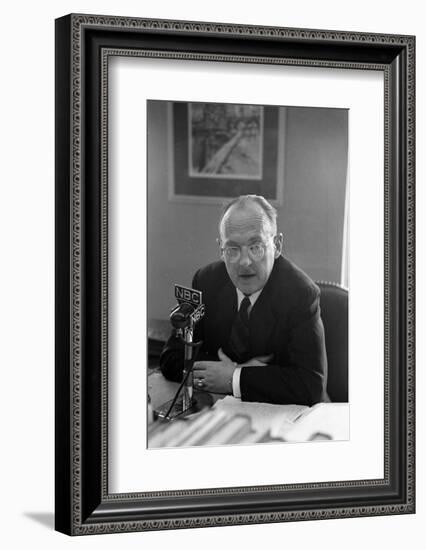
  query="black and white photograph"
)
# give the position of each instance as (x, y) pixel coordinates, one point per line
(248, 275)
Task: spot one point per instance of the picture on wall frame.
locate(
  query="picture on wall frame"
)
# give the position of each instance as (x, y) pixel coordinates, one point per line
(223, 150)
(143, 172)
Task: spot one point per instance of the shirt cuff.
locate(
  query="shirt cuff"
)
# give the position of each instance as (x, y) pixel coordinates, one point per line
(236, 382)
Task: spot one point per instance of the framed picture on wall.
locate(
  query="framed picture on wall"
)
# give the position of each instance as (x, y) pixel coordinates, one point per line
(126, 146)
(223, 150)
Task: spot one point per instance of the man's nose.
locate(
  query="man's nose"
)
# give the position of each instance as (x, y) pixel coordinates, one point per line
(245, 259)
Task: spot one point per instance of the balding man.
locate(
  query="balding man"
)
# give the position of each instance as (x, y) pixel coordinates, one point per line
(263, 338)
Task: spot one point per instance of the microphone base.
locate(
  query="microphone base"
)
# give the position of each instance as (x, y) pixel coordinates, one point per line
(200, 401)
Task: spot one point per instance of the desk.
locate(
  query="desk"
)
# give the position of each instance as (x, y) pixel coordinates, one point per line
(160, 390)
(232, 421)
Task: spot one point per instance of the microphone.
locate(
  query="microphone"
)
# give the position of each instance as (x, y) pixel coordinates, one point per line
(189, 309)
(183, 317)
(180, 316)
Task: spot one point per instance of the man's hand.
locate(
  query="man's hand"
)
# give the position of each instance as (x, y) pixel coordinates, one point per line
(214, 376)
(259, 361)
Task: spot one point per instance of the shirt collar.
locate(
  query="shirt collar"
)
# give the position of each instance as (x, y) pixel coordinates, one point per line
(253, 297)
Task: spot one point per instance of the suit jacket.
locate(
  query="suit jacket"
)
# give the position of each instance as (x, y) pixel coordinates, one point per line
(285, 321)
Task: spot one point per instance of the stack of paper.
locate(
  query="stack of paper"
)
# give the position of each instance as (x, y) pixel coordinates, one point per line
(274, 420)
(231, 421)
(210, 427)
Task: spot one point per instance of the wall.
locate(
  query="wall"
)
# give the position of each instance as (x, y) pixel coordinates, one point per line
(181, 236)
(27, 281)
(314, 190)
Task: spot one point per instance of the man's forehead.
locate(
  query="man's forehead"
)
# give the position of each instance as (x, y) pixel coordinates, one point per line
(249, 219)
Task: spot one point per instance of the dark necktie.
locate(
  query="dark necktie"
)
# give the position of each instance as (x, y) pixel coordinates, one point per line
(239, 339)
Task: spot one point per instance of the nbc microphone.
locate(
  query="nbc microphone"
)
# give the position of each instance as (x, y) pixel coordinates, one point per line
(183, 317)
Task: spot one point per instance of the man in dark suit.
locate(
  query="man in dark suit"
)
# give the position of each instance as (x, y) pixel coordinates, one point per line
(262, 334)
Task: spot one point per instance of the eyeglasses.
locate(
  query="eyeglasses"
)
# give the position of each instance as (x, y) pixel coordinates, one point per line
(256, 251)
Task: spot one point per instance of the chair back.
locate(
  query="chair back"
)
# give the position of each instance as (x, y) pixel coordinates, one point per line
(334, 314)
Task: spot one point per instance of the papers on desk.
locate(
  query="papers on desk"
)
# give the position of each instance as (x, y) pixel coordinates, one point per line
(276, 419)
(209, 427)
(321, 422)
(292, 422)
(234, 422)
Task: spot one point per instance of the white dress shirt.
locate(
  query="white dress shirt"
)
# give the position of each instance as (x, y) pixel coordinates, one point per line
(237, 372)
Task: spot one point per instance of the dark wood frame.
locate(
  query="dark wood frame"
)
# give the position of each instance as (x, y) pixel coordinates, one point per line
(83, 45)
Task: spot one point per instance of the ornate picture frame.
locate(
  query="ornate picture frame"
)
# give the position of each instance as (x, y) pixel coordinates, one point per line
(84, 45)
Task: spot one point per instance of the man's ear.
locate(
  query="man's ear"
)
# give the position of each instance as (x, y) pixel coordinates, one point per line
(278, 243)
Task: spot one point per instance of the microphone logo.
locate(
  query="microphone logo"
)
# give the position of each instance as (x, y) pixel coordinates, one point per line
(190, 307)
(188, 295)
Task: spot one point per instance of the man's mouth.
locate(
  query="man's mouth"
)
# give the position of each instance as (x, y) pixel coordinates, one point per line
(246, 275)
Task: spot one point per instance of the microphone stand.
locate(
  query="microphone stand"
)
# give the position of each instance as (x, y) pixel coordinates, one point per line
(187, 369)
(188, 363)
